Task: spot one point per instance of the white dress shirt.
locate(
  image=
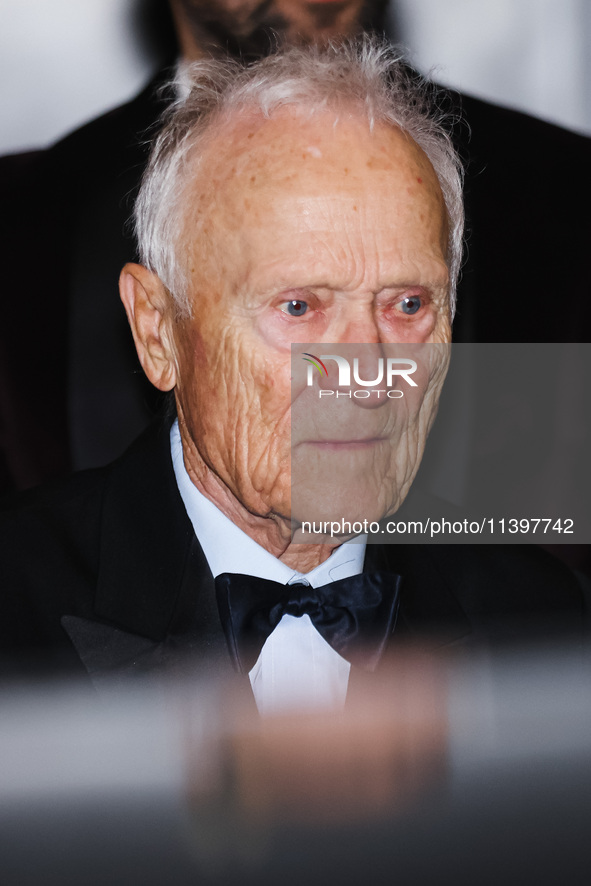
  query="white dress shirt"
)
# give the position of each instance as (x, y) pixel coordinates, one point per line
(297, 668)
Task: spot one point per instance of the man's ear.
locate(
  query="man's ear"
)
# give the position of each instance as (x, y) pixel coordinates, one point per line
(149, 311)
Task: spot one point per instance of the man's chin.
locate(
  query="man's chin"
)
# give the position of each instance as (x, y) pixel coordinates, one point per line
(357, 511)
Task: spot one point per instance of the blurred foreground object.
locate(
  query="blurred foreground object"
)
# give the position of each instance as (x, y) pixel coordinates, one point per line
(444, 768)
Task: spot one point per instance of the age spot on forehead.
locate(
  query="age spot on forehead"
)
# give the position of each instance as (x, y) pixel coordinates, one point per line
(379, 163)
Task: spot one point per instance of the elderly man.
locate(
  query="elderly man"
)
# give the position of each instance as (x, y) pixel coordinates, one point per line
(306, 198)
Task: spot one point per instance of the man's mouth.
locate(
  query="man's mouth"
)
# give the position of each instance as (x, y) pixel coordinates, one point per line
(339, 445)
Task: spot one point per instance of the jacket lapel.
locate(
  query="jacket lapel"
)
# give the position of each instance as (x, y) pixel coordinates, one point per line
(110, 654)
(155, 601)
(429, 613)
(429, 616)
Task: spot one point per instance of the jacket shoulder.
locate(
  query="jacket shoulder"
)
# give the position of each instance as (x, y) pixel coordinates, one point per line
(117, 137)
(514, 132)
(49, 560)
(489, 593)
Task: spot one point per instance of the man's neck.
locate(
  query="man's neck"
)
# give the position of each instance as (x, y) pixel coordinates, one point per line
(273, 532)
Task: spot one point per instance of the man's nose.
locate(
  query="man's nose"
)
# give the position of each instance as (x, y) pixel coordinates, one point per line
(360, 327)
(368, 376)
(356, 371)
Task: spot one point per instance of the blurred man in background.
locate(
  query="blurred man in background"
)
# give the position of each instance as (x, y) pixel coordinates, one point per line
(246, 27)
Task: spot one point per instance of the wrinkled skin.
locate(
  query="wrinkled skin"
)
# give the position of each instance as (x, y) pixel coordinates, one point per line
(250, 26)
(356, 451)
(345, 222)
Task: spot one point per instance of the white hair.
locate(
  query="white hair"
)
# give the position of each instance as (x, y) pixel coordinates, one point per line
(365, 75)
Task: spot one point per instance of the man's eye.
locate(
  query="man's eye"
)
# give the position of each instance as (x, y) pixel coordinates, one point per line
(410, 305)
(296, 307)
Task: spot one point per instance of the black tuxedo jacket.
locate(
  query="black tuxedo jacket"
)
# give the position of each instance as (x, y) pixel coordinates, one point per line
(71, 391)
(103, 573)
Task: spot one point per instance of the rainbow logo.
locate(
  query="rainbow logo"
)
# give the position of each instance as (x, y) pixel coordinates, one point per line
(317, 362)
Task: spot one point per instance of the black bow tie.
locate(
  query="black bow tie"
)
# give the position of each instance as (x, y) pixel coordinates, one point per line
(355, 615)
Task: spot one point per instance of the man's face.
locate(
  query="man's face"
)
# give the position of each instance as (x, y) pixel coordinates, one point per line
(244, 23)
(303, 230)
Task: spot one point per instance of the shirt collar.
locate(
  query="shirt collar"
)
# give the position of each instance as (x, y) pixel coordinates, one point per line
(229, 549)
